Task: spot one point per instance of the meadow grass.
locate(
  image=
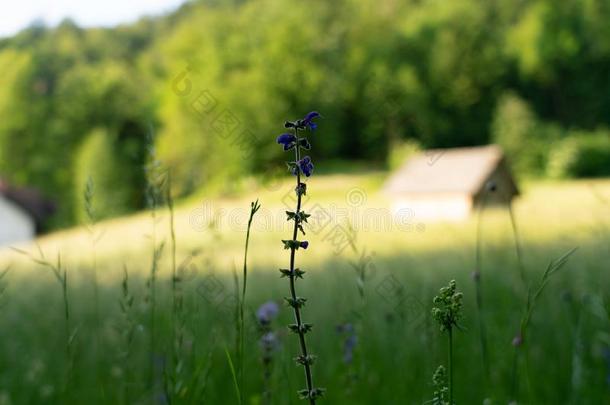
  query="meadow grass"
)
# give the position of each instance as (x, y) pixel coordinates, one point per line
(398, 343)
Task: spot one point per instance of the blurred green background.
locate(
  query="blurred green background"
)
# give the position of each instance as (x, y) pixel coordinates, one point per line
(211, 83)
(203, 92)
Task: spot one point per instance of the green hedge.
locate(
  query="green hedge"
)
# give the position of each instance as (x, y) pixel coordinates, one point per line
(523, 136)
(97, 158)
(581, 154)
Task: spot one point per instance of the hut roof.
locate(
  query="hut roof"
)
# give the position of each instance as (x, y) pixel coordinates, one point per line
(462, 170)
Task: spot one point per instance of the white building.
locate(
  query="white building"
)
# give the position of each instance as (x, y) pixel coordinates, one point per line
(22, 212)
(447, 184)
(16, 224)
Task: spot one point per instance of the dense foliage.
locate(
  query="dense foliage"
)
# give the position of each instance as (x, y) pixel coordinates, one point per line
(214, 74)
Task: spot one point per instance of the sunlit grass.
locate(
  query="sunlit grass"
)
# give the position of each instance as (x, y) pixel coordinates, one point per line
(552, 217)
(546, 212)
(561, 213)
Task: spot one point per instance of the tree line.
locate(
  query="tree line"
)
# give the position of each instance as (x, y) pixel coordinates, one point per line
(205, 85)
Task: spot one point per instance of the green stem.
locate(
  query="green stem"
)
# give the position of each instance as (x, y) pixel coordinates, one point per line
(514, 382)
(96, 300)
(64, 287)
(152, 292)
(176, 297)
(527, 375)
(253, 209)
(293, 294)
(518, 248)
(170, 204)
(479, 293)
(450, 363)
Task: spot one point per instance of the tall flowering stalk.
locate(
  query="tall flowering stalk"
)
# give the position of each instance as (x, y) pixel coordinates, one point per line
(533, 295)
(61, 275)
(447, 312)
(241, 302)
(299, 167)
(155, 184)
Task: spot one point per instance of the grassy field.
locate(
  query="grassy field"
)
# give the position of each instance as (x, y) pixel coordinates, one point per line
(135, 345)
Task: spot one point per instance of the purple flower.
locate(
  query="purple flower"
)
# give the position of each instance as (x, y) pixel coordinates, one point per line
(305, 122)
(267, 312)
(348, 348)
(310, 116)
(304, 143)
(306, 166)
(304, 244)
(287, 140)
(350, 341)
(269, 341)
(517, 341)
(308, 120)
(345, 328)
